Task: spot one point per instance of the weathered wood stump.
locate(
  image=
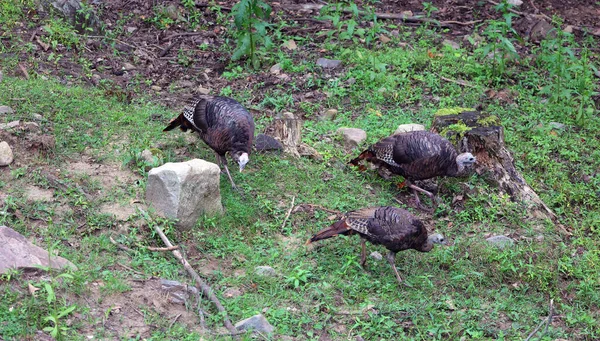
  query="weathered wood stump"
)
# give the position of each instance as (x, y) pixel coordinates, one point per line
(287, 128)
(483, 136)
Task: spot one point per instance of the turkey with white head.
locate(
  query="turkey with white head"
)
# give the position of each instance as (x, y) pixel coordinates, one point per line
(223, 123)
(417, 155)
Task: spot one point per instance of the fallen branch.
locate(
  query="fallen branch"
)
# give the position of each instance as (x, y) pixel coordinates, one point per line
(174, 320)
(459, 82)
(203, 286)
(168, 48)
(548, 320)
(162, 249)
(288, 213)
(120, 246)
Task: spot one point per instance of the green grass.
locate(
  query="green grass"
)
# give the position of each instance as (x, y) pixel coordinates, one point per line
(467, 290)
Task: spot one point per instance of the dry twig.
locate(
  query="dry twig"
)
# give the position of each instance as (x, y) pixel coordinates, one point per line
(120, 246)
(288, 213)
(459, 82)
(320, 208)
(200, 283)
(162, 249)
(548, 320)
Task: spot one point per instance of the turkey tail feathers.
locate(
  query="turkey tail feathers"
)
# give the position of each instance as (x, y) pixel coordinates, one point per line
(339, 227)
(174, 123)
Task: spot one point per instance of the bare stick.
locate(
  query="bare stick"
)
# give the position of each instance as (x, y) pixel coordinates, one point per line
(174, 320)
(203, 286)
(162, 249)
(130, 269)
(120, 246)
(288, 213)
(459, 82)
(548, 320)
(168, 48)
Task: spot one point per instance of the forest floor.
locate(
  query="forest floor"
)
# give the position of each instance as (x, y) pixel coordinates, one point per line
(99, 98)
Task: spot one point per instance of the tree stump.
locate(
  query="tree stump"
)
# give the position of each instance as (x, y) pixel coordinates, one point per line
(288, 130)
(483, 136)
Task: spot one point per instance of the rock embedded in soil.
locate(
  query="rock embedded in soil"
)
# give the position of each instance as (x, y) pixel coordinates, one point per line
(177, 292)
(4, 109)
(352, 136)
(454, 45)
(328, 63)
(376, 255)
(263, 143)
(403, 128)
(6, 154)
(17, 252)
(257, 322)
(328, 115)
(500, 241)
(275, 69)
(185, 190)
(266, 271)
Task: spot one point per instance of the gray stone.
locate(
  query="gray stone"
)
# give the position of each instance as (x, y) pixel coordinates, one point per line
(32, 127)
(266, 271)
(403, 128)
(72, 10)
(6, 110)
(17, 252)
(232, 292)
(177, 292)
(203, 91)
(156, 88)
(185, 84)
(454, 45)
(6, 154)
(500, 241)
(557, 125)
(376, 255)
(328, 115)
(515, 2)
(352, 136)
(275, 69)
(131, 29)
(256, 322)
(1, 76)
(37, 116)
(185, 190)
(328, 63)
(147, 156)
(264, 142)
(541, 30)
(128, 67)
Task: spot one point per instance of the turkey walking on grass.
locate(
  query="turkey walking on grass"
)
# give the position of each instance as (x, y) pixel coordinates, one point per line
(417, 155)
(224, 124)
(394, 228)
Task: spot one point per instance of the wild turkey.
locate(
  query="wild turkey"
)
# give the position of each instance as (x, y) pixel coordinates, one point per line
(417, 155)
(224, 124)
(395, 228)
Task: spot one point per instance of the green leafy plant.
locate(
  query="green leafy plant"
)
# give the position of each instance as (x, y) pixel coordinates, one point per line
(298, 277)
(250, 19)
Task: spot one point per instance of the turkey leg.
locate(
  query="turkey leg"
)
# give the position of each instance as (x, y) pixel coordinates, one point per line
(363, 254)
(391, 258)
(223, 161)
(416, 190)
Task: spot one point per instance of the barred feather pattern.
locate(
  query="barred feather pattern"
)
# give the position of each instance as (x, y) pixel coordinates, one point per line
(394, 228)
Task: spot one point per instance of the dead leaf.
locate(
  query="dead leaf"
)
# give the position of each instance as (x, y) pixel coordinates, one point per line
(32, 289)
(42, 44)
(384, 39)
(290, 45)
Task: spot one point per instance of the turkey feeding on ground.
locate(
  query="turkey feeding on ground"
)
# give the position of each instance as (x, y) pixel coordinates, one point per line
(395, 228)
(417, 155)
(224, 124)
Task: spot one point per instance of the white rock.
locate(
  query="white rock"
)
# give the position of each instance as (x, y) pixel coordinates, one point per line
(515, 2)
(156, 88)
(6, 154)
(6, 109)
(352, 136)
(500, 241)
(403, 128)
(185, 190)
(128, 66)
(18, 252)
(275, 69)
(328, 63)
(256, 322)
(265, 271)
(376, 255)
(37, 116)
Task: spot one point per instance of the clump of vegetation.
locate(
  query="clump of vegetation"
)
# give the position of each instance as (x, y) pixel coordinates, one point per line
(451, 111)
(250, 19)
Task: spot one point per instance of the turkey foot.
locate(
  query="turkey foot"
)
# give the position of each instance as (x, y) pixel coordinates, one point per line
(223, 162)
(363, 256)
(416, 191)
(391, 258)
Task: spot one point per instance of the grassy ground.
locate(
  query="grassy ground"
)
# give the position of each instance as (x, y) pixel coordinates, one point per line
(468, 290)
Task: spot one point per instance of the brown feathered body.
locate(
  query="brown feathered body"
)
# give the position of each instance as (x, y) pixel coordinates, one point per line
(416, 155)
(394, 228)
(223, 123)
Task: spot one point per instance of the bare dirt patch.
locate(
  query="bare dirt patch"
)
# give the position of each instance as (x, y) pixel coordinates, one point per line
(124, 315)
